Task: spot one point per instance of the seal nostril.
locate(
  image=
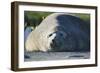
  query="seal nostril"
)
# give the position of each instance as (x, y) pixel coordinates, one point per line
(53, 41)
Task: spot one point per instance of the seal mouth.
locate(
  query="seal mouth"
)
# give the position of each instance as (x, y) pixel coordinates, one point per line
(55, 45)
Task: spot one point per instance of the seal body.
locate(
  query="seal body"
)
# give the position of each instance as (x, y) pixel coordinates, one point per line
(59, 32)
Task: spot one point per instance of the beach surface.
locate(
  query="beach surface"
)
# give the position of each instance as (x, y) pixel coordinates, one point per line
(45, 56)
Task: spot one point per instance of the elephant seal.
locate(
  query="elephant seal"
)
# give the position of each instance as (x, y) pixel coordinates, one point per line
(59, 32)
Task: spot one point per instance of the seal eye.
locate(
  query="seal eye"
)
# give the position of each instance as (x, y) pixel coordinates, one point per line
(50, 35)
(61, 34)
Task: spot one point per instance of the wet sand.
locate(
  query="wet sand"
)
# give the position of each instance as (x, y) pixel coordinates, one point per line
(45, 56)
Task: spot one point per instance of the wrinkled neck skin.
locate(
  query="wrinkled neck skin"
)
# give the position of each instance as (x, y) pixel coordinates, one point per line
(39, 39)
